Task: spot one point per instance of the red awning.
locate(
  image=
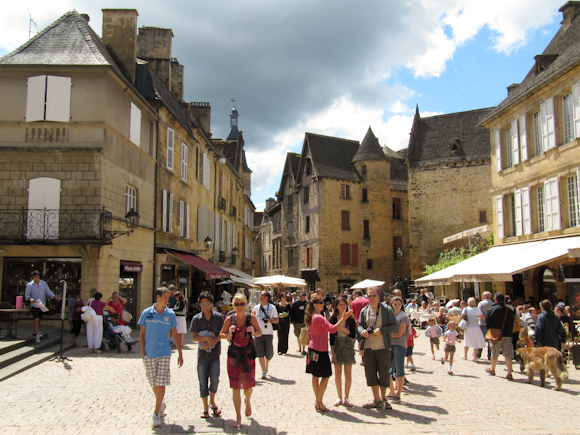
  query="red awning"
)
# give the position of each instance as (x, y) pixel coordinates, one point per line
(211, 270)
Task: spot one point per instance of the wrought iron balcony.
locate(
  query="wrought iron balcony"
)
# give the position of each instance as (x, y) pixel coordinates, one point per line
(33, 226)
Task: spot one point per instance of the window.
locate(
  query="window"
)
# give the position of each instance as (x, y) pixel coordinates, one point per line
(552, 204)
(290, 203)
(152, 139)
(43, 194)
(509, 148)
(541, 216)
(290, 229)
(170, 137)
(369, 264)
(397, 244)
(167, 212)
(130, 199)
(567, 125)
(184, 161)
(498, 163)
(537, 134)
(512, 216)
(198, 164)
(348, 255)
(345, 220)
(365, 195)
(548, 124)
(48, 98)
(306, 194)
(366, 229)
(307, 224)
(181, 218)
(290, 258)
(363, 170)
(573, 211)
(344, 191)
(397, 208)
(308, 257)
(135, 125)
(482, 216)
(308, 167)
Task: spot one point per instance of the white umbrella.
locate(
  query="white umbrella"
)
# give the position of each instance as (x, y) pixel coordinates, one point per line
(368, 283)
(451, 302)
(277, 280)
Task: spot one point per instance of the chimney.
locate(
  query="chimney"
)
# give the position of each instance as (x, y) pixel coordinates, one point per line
(201, 111)
(177, 79)
(154, 47)
(269, 204)
(569, 10)
(119, 36)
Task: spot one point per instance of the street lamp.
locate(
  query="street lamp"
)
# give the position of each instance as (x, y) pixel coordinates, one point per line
(399, 252)
(208, 243)
(131, 220)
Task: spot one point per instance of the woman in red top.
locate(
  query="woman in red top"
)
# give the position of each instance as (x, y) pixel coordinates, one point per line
(118, 303)
(318, 360)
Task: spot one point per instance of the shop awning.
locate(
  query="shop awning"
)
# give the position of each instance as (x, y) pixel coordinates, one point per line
(499, 263)
(239, 277)
(212, 271)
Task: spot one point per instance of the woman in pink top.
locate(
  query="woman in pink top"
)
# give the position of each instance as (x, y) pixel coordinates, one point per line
(318, 360)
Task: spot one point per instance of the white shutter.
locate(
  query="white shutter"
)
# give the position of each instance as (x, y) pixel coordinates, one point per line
(552, 204)
(35, 98)
(515, 143)
(217, 242)
(184, 161)
(498, 150)
(548, 124)
(548, 205)
(135, 125)
(229, 244)
(578, 197)
(224, 234)
(170, 137)
(58, 98)
(43, 193)
(576, 108)
(187, 222)
(499, 216)
(170, 214)
(164, 213)
(526, 211)
(201, 223)
(523, 137)
(181, 218)
(234, 236)
(518, 212)
(206, 177)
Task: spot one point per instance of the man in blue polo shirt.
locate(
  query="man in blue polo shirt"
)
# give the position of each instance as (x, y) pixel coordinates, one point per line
(36, 291)
(156, 322)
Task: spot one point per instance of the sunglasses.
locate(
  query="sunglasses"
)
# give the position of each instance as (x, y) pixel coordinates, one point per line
(204, 304)
(317, 302)
(239, 304)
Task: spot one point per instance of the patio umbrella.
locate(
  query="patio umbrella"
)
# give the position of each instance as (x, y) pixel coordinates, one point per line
(451, 302)
(368, 283)
(279, 280)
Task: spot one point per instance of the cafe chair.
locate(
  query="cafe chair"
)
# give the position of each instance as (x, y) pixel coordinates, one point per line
(5, 318)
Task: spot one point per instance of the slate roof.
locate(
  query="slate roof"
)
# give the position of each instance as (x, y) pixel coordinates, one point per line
(565, 46)
(245, 166)
(291, 165)
(67, 41)
(369, 148)
(332, 156)
(432, 138)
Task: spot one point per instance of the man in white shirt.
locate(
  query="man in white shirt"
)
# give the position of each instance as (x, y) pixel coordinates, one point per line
(266, 314)
(484, 306)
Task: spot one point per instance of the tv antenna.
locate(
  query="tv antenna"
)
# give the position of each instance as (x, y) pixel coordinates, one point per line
(30, 23)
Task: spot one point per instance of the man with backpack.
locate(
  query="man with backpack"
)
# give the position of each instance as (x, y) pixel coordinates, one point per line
(267, 315)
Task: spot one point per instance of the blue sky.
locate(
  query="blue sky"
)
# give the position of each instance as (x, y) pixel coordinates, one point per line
(332, 67)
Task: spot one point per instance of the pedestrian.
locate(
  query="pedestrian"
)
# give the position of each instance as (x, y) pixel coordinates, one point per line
(549, 329)
(118, 304)
(283, 308)
(410, 344)
(267, 315)
(433, 331)
(473, 335)
(297, 319)
(95, 325)
(398, 349)
(342, 350)
(376, 324)
(238, 329)
(499, 316)
(450, 337)
(318, 360)
(172, 298)
(205, 328)
(36, 292)
(156, 323)
(484, 306)
(180, 309)
(357, 304)
(75, 303)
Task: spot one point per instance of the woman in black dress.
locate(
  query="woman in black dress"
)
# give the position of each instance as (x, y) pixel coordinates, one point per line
(283, 308)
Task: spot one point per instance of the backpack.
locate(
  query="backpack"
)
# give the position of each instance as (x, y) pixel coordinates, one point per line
(242, 354)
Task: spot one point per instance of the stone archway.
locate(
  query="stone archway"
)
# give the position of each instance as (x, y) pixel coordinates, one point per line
(545, 285)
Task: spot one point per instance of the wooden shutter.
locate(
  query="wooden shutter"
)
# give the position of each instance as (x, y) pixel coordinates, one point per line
(184, 161)
(206, 169)
(354, 254)
(576, 109)
(515, 142)
(43, 193)
(58, 98)
(164, 212)
(181, 218)
(35, 98)
(187, 222)
(548, 124)
(135, 125)
(518, 212)
(523, 137)
(344, 254)
(498, 150)
(202, 223)
(499, 216)
(170, 137)
(224, 232)
(170, 213)
(526, 211)
(217, 242)
(552, 206)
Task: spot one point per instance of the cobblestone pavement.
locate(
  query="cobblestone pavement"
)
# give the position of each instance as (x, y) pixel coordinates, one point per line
(108, 393)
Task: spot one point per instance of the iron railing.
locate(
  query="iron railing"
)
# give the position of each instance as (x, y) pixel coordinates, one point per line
(55, 226)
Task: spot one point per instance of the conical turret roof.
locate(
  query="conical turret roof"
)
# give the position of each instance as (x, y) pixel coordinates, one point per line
(369, 149)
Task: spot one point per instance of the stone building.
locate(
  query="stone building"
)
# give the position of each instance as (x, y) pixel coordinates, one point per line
(535, 153)
(449, 181)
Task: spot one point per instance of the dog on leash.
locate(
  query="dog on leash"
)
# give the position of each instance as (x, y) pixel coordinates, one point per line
(542, 359)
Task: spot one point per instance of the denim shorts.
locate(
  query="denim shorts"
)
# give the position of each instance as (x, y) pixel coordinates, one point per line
(208, 370)
(398, 354)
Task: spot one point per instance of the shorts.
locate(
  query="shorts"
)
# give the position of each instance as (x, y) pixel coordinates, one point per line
(449, 348)
(409, 351)
(505, 346)
(36, 313)
(398, 360)
(297, 328)
(377, 363)
(434, 340)
(264, 346)
(157, 371)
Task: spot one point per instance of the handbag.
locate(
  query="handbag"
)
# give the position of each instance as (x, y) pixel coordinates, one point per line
(88, 314)
(463, 324)
(495, 334)
(304, 337)
(127, 316)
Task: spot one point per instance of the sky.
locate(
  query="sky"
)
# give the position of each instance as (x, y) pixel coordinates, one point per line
(332, 67)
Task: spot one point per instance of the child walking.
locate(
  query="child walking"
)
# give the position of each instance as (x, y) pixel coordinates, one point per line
(433, 332)
(410, 343)
(450, 338)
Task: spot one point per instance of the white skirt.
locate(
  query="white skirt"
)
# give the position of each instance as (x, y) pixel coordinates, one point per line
(474, 337)
(181, 325)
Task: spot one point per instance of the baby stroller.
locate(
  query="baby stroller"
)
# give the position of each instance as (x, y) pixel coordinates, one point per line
(116, 335)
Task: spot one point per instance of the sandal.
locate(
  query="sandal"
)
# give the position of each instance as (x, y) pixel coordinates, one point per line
(237, 425)
(386, 404)
(373, 405)
(347, 403)
(509, 377)
(338, 402)
(216, 411)
(205, 414)
(248, 408)
(320, 407)
(490, 371)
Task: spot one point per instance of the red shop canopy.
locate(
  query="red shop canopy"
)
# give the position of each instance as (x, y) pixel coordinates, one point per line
(211, 270)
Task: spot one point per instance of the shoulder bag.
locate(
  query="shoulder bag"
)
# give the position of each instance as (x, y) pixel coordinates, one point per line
(494, 334)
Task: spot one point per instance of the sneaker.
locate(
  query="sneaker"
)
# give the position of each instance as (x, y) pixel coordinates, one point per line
(263, 375)
(449, 372)
(413, 367)
(156, 420)
(433, 357)
(162, 409)
(442, 360)
(406, 365)
(396, 398)
(38, 338)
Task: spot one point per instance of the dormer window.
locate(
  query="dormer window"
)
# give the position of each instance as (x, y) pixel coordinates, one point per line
(543, 61)
(455, 144)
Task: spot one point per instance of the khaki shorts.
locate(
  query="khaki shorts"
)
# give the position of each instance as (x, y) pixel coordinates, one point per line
(505, 345)
(297, 328)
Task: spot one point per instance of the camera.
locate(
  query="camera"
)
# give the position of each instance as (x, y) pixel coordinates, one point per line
(370, 330)
(265, 320)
